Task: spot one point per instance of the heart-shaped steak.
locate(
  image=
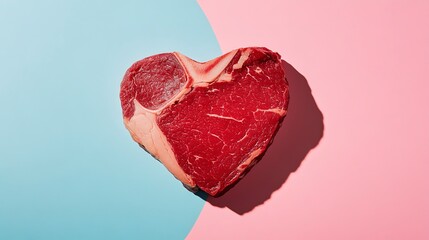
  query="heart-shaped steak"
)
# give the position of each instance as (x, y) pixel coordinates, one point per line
(206, 122)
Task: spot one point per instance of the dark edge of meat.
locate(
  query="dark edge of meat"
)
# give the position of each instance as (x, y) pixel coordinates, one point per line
(144, 148)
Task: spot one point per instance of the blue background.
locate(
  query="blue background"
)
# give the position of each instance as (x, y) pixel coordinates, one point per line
(68, 167)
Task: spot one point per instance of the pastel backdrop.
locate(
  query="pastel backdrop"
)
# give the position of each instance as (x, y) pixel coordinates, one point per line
(356, 140)
(68, 167)
(366, 63)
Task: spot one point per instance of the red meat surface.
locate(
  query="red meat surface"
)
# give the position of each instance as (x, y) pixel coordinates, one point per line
(208, 123)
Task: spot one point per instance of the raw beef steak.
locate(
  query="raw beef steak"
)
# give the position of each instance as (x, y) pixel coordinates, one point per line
(206, 122)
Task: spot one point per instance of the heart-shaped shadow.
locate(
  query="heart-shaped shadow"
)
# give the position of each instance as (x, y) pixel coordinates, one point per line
(301, 131)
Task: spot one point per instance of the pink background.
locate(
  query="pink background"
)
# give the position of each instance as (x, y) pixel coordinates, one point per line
(367, 64)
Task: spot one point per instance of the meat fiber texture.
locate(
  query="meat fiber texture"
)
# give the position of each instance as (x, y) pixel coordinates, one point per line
(210, 122)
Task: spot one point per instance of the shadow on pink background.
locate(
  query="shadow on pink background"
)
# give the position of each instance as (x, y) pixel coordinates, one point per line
(301, 131)
(366, 63)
